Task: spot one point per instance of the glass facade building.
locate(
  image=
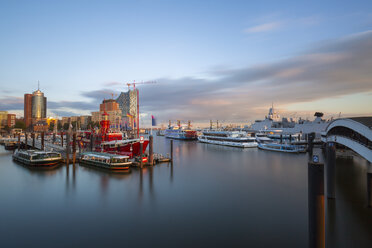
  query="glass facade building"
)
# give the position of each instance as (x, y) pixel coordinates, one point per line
(39, 105)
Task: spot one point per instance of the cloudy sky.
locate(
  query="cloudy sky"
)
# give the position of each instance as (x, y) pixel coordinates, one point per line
(226, 60)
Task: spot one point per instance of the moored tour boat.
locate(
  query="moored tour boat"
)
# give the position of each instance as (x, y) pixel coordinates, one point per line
(35, 158)
(288, 148)
(10, 145)
(228, 138)
(108, 161)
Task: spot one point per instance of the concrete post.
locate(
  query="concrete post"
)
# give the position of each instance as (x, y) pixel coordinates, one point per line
(316, 205)
(151, 150)
(331, 169)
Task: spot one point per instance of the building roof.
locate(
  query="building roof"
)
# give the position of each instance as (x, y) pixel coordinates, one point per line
(366, 121)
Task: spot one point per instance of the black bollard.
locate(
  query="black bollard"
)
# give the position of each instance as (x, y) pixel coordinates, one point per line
(151, 150)
(316, 205)
(331, 175)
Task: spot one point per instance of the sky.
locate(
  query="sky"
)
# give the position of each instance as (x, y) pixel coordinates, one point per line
(225, 60)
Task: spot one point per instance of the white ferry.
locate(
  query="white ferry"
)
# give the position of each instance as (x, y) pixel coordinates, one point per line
(277, 147)
(35, 158)
(106, 161)
(228, 138)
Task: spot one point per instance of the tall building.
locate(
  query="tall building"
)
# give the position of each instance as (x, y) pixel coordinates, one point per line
(39, 105)
(35, 109)
(3, 118)
(27, 110)
(11, 120)
(128, 105)
(111, 107)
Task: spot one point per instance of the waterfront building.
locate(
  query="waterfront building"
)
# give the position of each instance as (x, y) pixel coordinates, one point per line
(128, 105)
(111, 107)
(39, 106)
(3, 118)
(27, 110)
(11, 120)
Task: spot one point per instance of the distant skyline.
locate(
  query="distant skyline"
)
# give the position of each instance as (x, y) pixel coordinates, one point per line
(226, 60)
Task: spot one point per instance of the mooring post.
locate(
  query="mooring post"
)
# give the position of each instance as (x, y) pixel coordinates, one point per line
(290, 139)
(91, 141)
(281, 138)
(26, 140)
(316, 203)
(331, 169)
(151, 150)
(67, 148)
(33, 140)
(62, 139)
(369, 190)
(74, 148)
(141, 151)
(54, 137)
(171, 150)
(310, 140)
(42, 141)
(19, 141)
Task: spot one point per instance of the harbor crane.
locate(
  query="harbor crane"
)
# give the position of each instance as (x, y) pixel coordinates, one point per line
(143, 82)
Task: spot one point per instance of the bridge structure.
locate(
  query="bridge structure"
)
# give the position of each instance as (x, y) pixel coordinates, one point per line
(354, 133)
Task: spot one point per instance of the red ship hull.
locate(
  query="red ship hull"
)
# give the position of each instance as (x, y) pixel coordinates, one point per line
(131, 149)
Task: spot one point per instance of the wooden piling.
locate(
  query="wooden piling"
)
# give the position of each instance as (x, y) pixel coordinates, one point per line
(91, 141)
(26, 140)
(42, 141)
(171, 150)
(19, 141)
(67, 149)
(62, 139)
(33, 140)
(151, 150)
(74, 148)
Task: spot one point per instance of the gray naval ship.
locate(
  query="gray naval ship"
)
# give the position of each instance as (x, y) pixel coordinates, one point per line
(273, 122)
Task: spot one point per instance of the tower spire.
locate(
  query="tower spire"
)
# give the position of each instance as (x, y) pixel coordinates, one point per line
(38, 85)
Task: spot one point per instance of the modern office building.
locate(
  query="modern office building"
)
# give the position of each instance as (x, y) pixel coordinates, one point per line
(35, 109)
(39, 106)
(27, 110)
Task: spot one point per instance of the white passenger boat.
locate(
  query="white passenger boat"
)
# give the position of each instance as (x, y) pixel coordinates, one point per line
(35, 158)
(228, 138)
(106, 161)
(277, 147)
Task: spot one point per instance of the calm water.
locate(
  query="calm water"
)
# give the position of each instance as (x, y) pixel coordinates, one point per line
(212, 196)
